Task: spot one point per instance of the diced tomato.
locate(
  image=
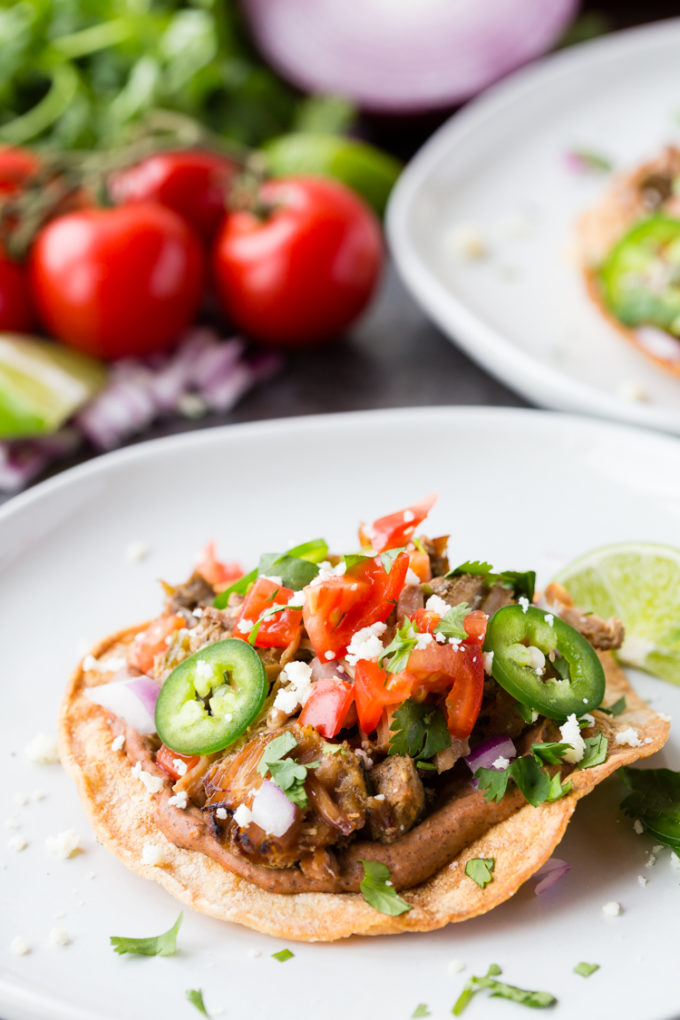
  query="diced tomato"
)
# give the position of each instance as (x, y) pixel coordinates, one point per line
(396, 529)
(456, 671)
(165, 759)
(328, 706)
(277, 630)
(220, 575)
(475, 626)
(375, 689)
(341, 605)
(426, 620)
(419, 563)
(152, 641)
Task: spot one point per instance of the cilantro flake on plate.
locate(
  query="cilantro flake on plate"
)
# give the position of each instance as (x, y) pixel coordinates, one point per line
(195, 997)
(501, 990)
(586, 969)
(378, 891)
(420, 1011)
(156, 945)
(283, 955)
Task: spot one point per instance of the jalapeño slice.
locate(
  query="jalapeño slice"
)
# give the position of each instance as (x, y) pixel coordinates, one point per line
(569, 680)
(211, 698)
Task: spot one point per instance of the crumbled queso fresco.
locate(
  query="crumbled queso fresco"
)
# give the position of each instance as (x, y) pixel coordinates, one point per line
(631, 738)
(64, 845)
(43, 750)
(366, 643)
(570, 732)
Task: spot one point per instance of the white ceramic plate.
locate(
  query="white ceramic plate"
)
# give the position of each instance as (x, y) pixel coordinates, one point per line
(517, 487)
(500, 165)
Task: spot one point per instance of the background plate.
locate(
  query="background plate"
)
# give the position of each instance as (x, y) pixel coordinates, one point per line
(520, 488)
(501, 165)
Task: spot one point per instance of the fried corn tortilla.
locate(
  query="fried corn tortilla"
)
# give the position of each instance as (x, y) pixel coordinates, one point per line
(123, 814)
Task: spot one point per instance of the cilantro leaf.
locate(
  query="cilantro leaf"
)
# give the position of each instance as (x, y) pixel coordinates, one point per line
(283, 955)
(294, 571)
(287, 773)
(595, 752)
(535, 783)
(550, 753)
(156, 945)
(389, 556)
(480, 870)
(654, 798)
(586, 969)
(379, 892)
(313, 551)
(478, 568)
(420, 730)
(239, 587)
(558, 789)
(451, 624)
(522, 582)
(396, 654)
(493, 781)
(195, 997)
(616, 708)
(501, 990)
(420, 1011)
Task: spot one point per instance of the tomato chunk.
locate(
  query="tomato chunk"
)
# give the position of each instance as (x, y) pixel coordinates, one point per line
(166, 759)
(341, 605)
(276, 630)
(328, 706)
(152, 641)
(396, 529)
(375, 689)
(220, 575)
(456, 671)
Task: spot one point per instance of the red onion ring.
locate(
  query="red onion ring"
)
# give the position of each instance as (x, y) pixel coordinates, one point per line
(551, 872)
(488, 751)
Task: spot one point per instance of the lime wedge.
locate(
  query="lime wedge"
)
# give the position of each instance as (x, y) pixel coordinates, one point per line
(42, 384)
(640, 583)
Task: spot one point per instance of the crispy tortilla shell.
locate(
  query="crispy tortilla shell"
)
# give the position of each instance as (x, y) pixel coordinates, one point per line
(123, 815)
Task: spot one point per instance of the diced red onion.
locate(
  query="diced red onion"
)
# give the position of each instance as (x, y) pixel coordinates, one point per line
(132, 699)
(488, 751)
(404, 55)
(23, 459)
(327, 670)
(272, 810)
(551, 872)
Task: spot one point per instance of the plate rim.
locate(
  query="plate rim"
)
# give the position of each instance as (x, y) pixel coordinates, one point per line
(533, 379)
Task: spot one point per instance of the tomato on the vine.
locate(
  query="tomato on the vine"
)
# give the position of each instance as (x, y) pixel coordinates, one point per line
(302, 267)
(117, 282)
(16, 166)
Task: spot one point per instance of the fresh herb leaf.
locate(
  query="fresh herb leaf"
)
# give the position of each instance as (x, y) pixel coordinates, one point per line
(253, 632)
(156, 945)
(535, 783)
(654, 798)
(379, 892)
(595, 752)
(501, 990)
(287, 773)
(420, 730)
(478, 568)
(480, 870)
(389, 556)
(294, 571)
(522, 582)
(451, 624)
(420, 1011)
(283, 955)
(550, 753)
(586, 969)
(195, 997)
(396, 655)
(354, 559)
(332, 748)
(558, 789)
(616, 708)
(315, 550)
(239, 587)
(493, 781)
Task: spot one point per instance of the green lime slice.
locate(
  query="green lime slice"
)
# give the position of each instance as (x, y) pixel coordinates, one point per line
(640, 583)
(363, 168)
(42, 384)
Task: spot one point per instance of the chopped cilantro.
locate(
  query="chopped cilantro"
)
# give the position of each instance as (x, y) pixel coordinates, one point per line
(493, 781)
(535, 783)
(156, 945)
(500, 990)
(595, 752)
(420, 730)
(654, 798)
(389, 556)
(479, 568)
(294, 572)
(586, 969)
(550, 753)
(451, 624)
(287, 773)
(420, 1011)
(312, 552)
(332, 748)
(195, 997)
(395, 656)
(522, 582)
(379, 892)
(616, 708)
(480, 870)
(353, 559)
(283, 955)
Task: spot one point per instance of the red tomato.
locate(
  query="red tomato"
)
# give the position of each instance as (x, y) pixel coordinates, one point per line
(16, 309)
(396, 529)
(165, 759)
(276, 631)
(16, 166)
(152, 641)
(375, 689)
(327, 706)
(219, 575)
(303, 272)
(419, 563)
(475, 625)
(117, 282)
(456, 671)
(339, 606)
(192, 182)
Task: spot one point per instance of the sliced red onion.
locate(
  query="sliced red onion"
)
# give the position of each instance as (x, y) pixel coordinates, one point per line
(23, 459)
(404, 55)
(132, 699)
(659, 343)
(551, 872)
(272, 810)
(488, 751)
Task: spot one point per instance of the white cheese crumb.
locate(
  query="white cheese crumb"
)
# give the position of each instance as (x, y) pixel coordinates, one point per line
(64, 845)
(571, 734)
(423, 640)
(524, 603)
(154, 855)
(436, 604)
(455, 966)
(379, 796)
(90, 663)
(638, 827)
(179, 799)
(254, 954)
(408, 516)
(500, 762)
(441, 639)
(91, 874)
(59, 937)
(487, 659)
(154, 784)
(19, 946)
(38, 795)
(366, 643)
(298, 676)
(642, 880)
(244, 626)
(326, 571)
(329, 656)
(12, 822)
(411, 577)
(21, 798)
(118, 742)
(466, 241)
(136, 552)
(612, 909)
(221, 813)
(549, 619)
(651, 861)
(42, 750)
(628, 738)
(17, 843)
(243, 815)
(297, 599)
(179, 766)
